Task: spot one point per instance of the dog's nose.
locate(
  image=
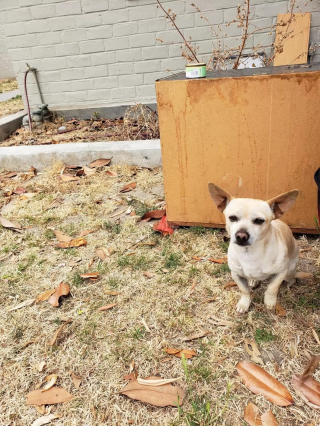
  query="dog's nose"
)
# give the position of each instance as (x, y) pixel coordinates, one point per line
(242, 236)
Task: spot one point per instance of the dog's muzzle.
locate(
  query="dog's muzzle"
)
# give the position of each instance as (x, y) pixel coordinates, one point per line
(242, 238)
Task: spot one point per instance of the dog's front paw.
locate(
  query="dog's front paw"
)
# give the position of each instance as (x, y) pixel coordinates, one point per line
(253, 283)
(270, 301)
(243, 304)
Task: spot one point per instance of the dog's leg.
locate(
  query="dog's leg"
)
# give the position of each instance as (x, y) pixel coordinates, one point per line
(244, 302)
(270, 296)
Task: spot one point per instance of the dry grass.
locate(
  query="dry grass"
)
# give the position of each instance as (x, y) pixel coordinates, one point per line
(139, 123)
(11, 106)
(99, 346)
(8, 85)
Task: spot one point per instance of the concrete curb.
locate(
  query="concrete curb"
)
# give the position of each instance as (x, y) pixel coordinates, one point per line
(10, 124)
(146, 153)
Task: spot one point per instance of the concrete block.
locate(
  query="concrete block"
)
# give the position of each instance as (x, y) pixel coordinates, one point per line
(196, 34)
(123, 93)
(264, 40)
(125, 29)
(67, 49)
(94, 5)
(130, 55)
(62, 23)
(43, 52)
(49, 76)
(91, 46)
(205, 5)
(142, 40)
(130, 80)
(23, 3)
(71, 36)
(105, 31)
(22, 16)
(71, 74)
(106, 82)
(42, 12)
(137, 153)
(182, 21)
(99, 95)
(20, 54)
(57, 87)
(174, 64)
(14, 29)
(82, 85)
(116, 43)
(117, 4)
(76, 96)
(223, 4)
(115, 16)
(26, 40)
(156, 52)
(146, 92)
(147, 66)
(175, 50)
(150, 78)
(41, 26)
(99, 71)
(88, 20)
(10, 124)
(44, 39)
(152, 25)
(8, 4)
(177, 7)
(170, 36)
(68, 8)
(79, 61)
(212, 18)
(52, 64)
(143, 12)
(273, 9)
(103, 58)
(120, 69)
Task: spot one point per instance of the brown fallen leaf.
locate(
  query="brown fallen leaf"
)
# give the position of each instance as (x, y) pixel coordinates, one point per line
(131, 376)
(253, 351)
(40, 366)
(268, 419)
(111, 173)
(62, 237)
(315, 335)
(311, 367)
(188, 353)
(160, 396)
(69, 178)
(280, 311)
(196, 336)
(62, 290)
(251, 415)
(8, 175)
(90, 275)
(76, 380)
(77, 242)
(210, 300)
(27, 302)
(50, 381)
(55, 203)
(19, 190)
(41, 409)
(128, 187)
(154, 214)
(10, 225)
(222, 260)
(56, 334)
(303, 275)
(105, 308)
(260, 382)
(45, 296)
(307, 388)
(88, 171)
(221, 322)
(55, 395)
(148, 274)
(229, 285)
(45, 420)
(103, 253)
(101, 162)
(86, 232)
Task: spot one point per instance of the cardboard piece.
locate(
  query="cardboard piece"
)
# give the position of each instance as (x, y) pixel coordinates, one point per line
(296, 38)
(256, 135)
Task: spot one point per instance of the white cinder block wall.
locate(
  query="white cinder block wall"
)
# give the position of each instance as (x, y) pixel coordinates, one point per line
(6, 68)
(106, 52)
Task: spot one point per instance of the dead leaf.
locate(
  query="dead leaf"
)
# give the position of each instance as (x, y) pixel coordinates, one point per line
(157, 381)
(69, 178)
(188, 353)
(163, 227)
(62, 290)
(7, 224)
(8, 175)
(88, 171)
(268, 419)
(128, 187)
(259, 381)
(20, 190)
(190, 290)
(221, 322)
(90, 275)
(196, 336)
(55, 395)
(56, 334)
(27, 302)
(111, 173)
(62, 237)
(55, 203)
(45, 296)
(77, 242)
(117, 214)
(148, 274)
(103, 252)
(160, 396)
(131, 376)
(105, 308)
(45, 420)
(76, 380)
(50, 380)
(154, 214)
(41, 409)
(229, 285)
(222, 260)
(86, 232)
(307, 387)
(253, 351)
(311, 367)
(280, 311)
(29, 342)
(210, 300)
(303, 275)
(40, 366)
(100, 163)
(315, 335)
(251, 415)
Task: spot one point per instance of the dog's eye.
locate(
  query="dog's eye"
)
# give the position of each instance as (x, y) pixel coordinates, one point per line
(258, 221)
(233, 219)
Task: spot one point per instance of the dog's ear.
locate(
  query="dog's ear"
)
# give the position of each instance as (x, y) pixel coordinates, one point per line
(219, 196)
(280, 204)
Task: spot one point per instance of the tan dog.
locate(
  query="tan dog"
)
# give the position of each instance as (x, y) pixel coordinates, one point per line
(260, 247)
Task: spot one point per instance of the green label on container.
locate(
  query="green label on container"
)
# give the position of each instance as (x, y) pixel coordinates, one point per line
(196, 72)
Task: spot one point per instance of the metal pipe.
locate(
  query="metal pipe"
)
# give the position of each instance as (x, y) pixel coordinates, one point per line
(34, 70)
(27, 99)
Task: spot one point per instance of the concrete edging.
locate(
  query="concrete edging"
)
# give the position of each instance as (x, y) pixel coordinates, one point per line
(143, 153)
(10, 124)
